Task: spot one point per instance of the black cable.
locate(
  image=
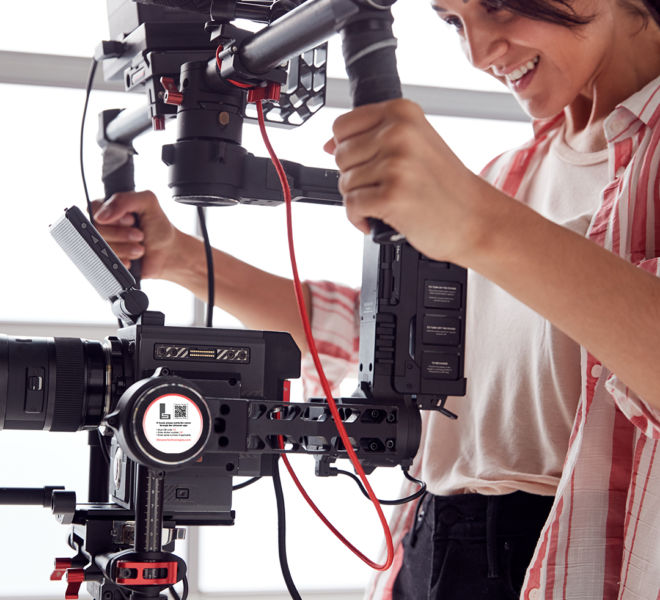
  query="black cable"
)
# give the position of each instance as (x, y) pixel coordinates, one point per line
(240, 486)
(104, 448)
(125, 595)
(174, 593)
(281, 530)
(420, 492)
(88, 91)
(209, 267)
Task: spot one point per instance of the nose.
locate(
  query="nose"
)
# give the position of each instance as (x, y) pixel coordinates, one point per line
(484, 45)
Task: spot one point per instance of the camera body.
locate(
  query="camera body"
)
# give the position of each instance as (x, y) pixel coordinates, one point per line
(230, 369)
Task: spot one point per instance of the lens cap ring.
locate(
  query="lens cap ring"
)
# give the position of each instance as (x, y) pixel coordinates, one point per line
(163, 422)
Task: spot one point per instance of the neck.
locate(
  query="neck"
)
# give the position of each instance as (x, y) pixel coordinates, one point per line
(632, 63)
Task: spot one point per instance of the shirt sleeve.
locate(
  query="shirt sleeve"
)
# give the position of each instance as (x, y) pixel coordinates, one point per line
(640, 414)
(335, 328)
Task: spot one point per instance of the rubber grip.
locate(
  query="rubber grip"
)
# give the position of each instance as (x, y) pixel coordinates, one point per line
(369, 48)
(119, 176)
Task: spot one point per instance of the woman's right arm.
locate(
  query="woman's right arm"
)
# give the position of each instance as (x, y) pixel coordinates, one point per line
(260, 300)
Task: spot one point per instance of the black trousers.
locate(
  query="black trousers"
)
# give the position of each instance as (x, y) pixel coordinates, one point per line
(470, 547)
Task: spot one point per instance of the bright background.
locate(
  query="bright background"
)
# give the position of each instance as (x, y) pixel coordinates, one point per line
(42, 291)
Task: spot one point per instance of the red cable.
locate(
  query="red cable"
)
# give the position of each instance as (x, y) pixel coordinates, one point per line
(324, 382)
(218, 62)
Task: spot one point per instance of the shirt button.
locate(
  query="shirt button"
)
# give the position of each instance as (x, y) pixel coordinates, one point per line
(535, 594)
(596, 371)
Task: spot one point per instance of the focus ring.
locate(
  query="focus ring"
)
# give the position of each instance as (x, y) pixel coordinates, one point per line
(70, 386)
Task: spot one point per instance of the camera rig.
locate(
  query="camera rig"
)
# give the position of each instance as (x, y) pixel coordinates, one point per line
(174, 413)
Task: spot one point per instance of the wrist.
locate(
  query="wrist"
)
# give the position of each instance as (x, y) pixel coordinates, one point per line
(185, 260)
(499, 229)
(483, 207)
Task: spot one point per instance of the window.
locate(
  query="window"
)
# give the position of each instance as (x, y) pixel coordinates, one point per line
(41, 177)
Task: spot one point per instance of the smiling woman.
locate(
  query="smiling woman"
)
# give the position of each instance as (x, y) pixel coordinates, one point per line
(541, 232)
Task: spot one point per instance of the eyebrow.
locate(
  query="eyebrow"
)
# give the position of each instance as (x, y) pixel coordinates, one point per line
(438, 8)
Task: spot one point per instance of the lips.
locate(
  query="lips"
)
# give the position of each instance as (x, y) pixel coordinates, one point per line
(520, 77)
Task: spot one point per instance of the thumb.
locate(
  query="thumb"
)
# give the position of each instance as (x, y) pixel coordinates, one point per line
(330, 146)
(122, 205)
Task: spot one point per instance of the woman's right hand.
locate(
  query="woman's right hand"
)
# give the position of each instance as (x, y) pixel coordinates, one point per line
(153, 240)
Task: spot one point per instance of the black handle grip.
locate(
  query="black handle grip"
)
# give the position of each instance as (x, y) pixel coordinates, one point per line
(369, 48)
(119, 176)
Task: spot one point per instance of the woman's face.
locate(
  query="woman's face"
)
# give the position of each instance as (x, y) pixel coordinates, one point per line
(547, 66)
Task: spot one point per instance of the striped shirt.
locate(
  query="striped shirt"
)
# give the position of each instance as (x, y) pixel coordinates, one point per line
(602, 538)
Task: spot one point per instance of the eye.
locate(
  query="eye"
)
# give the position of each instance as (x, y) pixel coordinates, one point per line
(454, 22)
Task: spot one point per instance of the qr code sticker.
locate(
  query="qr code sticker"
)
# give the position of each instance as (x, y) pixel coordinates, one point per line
(180, 411)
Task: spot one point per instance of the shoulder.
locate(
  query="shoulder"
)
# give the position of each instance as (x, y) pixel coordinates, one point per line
(508, 170)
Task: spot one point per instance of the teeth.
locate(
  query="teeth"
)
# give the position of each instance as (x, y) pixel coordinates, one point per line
(518, 73)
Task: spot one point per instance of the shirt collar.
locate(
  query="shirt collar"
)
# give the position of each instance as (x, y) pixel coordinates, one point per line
(640, 107)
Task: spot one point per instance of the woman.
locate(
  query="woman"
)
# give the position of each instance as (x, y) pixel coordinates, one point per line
(540, 231)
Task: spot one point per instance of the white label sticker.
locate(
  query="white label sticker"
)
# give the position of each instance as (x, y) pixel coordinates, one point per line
(173, 424)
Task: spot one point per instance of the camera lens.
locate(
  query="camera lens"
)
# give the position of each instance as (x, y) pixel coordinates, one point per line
(54, 384)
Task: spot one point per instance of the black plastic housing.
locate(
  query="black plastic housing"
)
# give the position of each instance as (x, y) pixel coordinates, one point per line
(412, 325)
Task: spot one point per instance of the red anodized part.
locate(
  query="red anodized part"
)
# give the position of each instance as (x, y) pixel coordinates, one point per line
(269, 92)
(172, 93)
(75, 577)
(141, 567)
(61, 566)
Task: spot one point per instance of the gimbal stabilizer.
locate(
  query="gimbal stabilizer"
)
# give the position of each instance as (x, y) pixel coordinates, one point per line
(175, 413)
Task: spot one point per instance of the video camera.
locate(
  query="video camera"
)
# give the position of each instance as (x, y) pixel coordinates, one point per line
(174, 413)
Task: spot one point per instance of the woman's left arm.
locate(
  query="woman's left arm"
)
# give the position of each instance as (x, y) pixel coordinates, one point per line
(396, 168)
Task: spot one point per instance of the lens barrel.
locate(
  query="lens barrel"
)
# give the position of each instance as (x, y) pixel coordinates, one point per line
(52, 384)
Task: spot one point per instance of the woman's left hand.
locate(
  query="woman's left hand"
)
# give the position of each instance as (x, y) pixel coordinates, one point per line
(396, 168)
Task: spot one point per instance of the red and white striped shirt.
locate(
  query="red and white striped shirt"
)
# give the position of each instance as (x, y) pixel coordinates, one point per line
(602, 538)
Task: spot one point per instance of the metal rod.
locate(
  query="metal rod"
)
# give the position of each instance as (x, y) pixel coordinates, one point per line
(27, 496)
(128, 125)
(303, 28)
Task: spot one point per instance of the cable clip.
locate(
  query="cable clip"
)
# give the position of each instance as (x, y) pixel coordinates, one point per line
(271, 91)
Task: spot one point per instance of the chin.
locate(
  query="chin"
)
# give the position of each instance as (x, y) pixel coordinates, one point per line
(541, 111)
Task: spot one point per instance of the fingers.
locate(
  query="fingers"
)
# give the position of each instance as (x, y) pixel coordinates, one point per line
(128, 252)
(119, 207)
(125, 241)
(123, 234)
(359, 120)
(363, 203)
(330, 146)
(369, 174)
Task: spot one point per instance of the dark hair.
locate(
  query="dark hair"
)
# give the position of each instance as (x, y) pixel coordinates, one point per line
(561, 12)
(653, 7)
